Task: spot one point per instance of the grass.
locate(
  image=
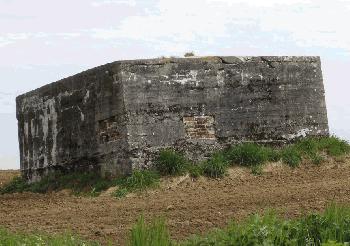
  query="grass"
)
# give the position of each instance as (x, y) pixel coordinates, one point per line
(155, 234)
(248, 154)
(170, 162)
(195, 170)
(216, 166)
(254, 155)
(251, 155)
(329, 228)
(291, 156)
(257, 170)
(89, 184)
(35, 239)
(269, 229)
(140, 180)
(317, 159)
(17, 184)
(334, 146)
(273, 155)
(80, 183)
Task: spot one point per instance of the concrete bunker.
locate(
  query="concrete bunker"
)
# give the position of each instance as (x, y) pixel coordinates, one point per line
(116, 117)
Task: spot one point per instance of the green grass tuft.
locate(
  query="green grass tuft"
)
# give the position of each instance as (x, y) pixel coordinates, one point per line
(34, 239)
(195, 170)
(121, 192)
(256, 170)
(139, 180)
(307, 146)
(334, 146)
(313, 148)
(273, 155)
(247, 154)
(333, 243)
(17, 184)
(330, 228)
(269, 229)
(317, 159)
(216, 166)
(155, 234)
(80, 183)
(291, 156)
(170, 162)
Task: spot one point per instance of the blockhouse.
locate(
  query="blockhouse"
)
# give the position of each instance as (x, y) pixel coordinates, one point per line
(116, 117)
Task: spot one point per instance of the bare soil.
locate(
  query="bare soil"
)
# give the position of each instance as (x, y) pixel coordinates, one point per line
(189, 206)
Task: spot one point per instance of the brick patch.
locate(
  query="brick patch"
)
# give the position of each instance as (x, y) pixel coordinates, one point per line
(199, 127)
(108, 130)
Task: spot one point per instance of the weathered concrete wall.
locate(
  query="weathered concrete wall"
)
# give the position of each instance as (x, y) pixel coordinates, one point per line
(70, 124)
(198, 105)
(116, 117)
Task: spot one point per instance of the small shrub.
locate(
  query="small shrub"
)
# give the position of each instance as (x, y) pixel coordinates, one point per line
(247, 154)
(291, 156)
(170, 162)
(155, 234)
(189, 54)
(216, 166)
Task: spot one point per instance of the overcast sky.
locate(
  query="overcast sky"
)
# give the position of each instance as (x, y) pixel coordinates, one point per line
(42, 41)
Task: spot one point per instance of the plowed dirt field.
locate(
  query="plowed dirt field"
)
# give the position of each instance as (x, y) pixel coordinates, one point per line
(189, 206)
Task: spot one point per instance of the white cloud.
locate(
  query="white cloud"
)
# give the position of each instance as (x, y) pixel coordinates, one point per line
(4, 41)
(318, 24)
(10, 38)
(184, 24)
(259, 3)
(108, 2)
